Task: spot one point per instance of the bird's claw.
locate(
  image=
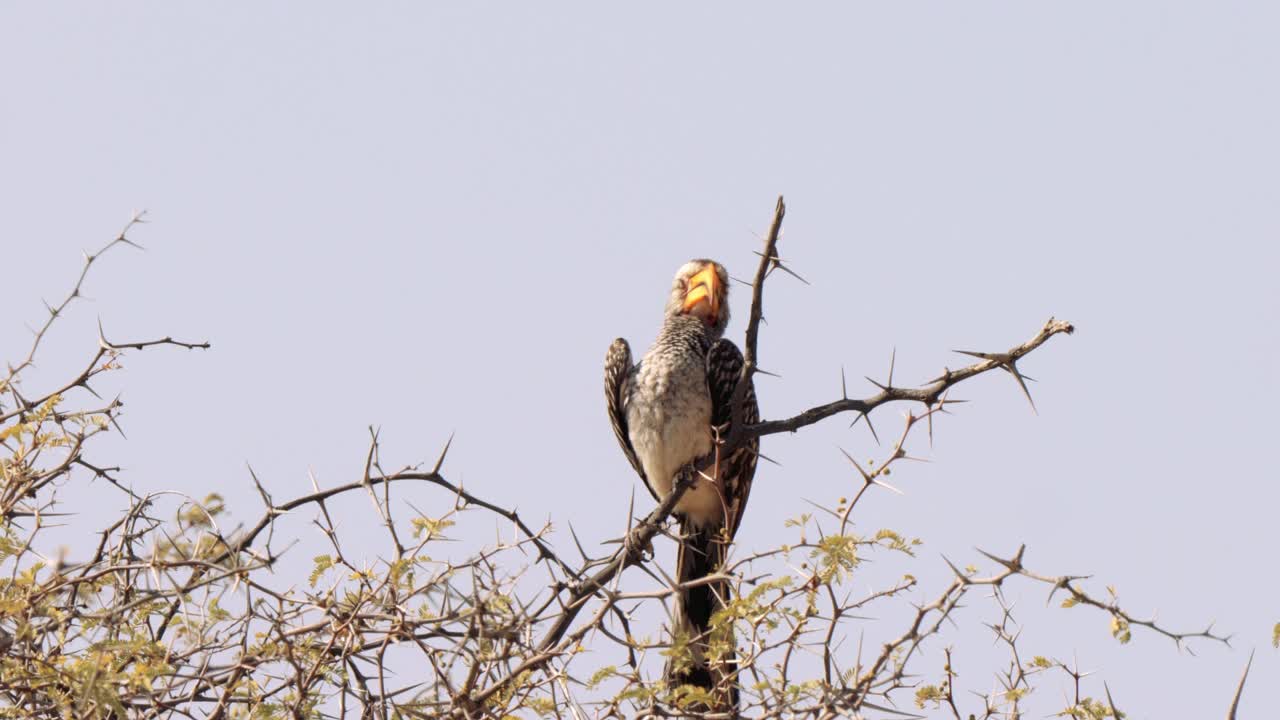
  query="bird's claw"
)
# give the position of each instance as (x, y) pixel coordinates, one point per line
(637, 551)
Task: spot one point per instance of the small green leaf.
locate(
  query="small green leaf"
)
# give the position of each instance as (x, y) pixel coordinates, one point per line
(1120, 629)
(929, 694)
(601, 675)
(322, 563)
(428, 528)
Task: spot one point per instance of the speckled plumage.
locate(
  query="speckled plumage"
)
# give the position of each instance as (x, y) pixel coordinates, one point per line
(663, 411)
(669, 414)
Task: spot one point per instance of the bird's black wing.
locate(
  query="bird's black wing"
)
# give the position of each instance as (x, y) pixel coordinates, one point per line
(617, 380)
(724, 366)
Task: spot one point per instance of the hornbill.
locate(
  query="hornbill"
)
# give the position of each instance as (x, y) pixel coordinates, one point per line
(667, 411)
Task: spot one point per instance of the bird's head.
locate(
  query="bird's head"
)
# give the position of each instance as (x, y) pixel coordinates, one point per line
(701, 290)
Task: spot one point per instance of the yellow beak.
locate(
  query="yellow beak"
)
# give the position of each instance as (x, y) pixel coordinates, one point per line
(704, 287)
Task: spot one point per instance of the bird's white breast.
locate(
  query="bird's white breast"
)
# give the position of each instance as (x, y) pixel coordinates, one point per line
(669, 421)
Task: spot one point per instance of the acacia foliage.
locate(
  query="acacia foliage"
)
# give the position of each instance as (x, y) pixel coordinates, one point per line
(173, 609)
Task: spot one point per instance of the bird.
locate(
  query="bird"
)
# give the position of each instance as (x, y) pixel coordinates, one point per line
(667, 412)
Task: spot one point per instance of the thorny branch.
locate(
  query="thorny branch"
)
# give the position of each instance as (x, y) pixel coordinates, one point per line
(173, 615)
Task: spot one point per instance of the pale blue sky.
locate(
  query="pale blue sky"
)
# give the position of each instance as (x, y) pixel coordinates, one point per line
(437, 218)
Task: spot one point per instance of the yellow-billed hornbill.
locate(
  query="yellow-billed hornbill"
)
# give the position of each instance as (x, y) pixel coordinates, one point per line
(666, 410)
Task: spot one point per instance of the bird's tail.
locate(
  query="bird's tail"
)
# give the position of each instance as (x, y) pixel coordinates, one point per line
(703, 656)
